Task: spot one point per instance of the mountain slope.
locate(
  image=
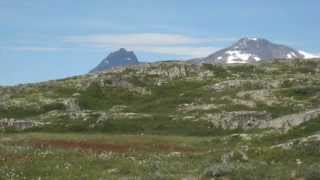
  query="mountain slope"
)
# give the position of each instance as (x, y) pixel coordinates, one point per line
(119, 58)
(248, 50)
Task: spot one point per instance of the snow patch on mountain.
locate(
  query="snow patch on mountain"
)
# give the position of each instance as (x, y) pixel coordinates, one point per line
(257, 58)
(291, 55)
(239, 57)
(253, 39)
(308, 55)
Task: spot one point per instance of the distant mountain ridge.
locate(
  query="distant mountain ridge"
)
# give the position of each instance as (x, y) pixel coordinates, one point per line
(119, 58)
(248, 50)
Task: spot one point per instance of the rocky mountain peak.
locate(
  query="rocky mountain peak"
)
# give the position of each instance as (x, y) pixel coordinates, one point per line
(248, 50)
(247, 42)
(123, 50)
(119, 58)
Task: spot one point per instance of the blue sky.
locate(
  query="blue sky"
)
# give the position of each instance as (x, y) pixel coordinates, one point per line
(46, 39)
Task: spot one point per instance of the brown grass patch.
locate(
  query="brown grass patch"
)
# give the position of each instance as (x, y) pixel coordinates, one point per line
(99, 146)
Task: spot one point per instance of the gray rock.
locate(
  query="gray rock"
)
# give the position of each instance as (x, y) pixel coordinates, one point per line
(16, 124)
(71, 104)
(218, 170)
(168, 71)
(298, 141)
(238, 119)
(196, 107)
(265, 96)
(284, 123)
(245, 84)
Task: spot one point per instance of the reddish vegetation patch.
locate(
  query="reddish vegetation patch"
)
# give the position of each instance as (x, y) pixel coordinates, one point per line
(16, 158)
(99, 146)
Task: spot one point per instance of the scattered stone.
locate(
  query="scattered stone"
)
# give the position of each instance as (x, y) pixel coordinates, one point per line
(196, 107)
(71, 104)
(118, 108)
(16, 124)
(304, 140)
(238, 119)
(218, 170)
(265, 96)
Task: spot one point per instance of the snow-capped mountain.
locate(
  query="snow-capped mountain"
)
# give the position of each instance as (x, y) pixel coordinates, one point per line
(248, 50)
(119, 58)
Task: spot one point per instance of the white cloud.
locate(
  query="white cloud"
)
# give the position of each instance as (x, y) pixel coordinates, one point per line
(141, 39)
(162, 43)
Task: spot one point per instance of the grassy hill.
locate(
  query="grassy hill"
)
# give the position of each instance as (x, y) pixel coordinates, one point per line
(169, 120)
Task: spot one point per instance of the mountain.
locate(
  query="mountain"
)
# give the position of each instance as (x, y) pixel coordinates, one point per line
(119, 58)
(248, 50)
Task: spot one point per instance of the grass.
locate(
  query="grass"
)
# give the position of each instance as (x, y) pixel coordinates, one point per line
(15, 112)
(122, 155)
(155, 125)
(101, 156)
(301, 93)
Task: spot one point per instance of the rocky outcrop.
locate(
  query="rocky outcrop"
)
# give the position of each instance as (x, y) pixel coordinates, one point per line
(168, 71)
(119, 79)
(259, 120)
(245, 84)
(16, 124)
(265, 96)
(284, 123)
(71, 104)
(238, 119)
(299, 141)
(95, 117)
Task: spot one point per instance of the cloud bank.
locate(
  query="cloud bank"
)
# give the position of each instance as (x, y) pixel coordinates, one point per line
(172, 44)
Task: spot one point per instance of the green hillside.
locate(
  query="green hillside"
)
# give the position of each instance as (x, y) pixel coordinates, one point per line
(168, 120)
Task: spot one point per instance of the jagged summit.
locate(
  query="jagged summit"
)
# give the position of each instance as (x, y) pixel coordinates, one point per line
(247, 42)
(247, 50)
(119, 58)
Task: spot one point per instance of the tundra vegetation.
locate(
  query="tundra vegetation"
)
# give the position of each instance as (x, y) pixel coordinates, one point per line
(168, 120)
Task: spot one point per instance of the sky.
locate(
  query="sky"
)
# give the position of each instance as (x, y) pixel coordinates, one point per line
(51, 39)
